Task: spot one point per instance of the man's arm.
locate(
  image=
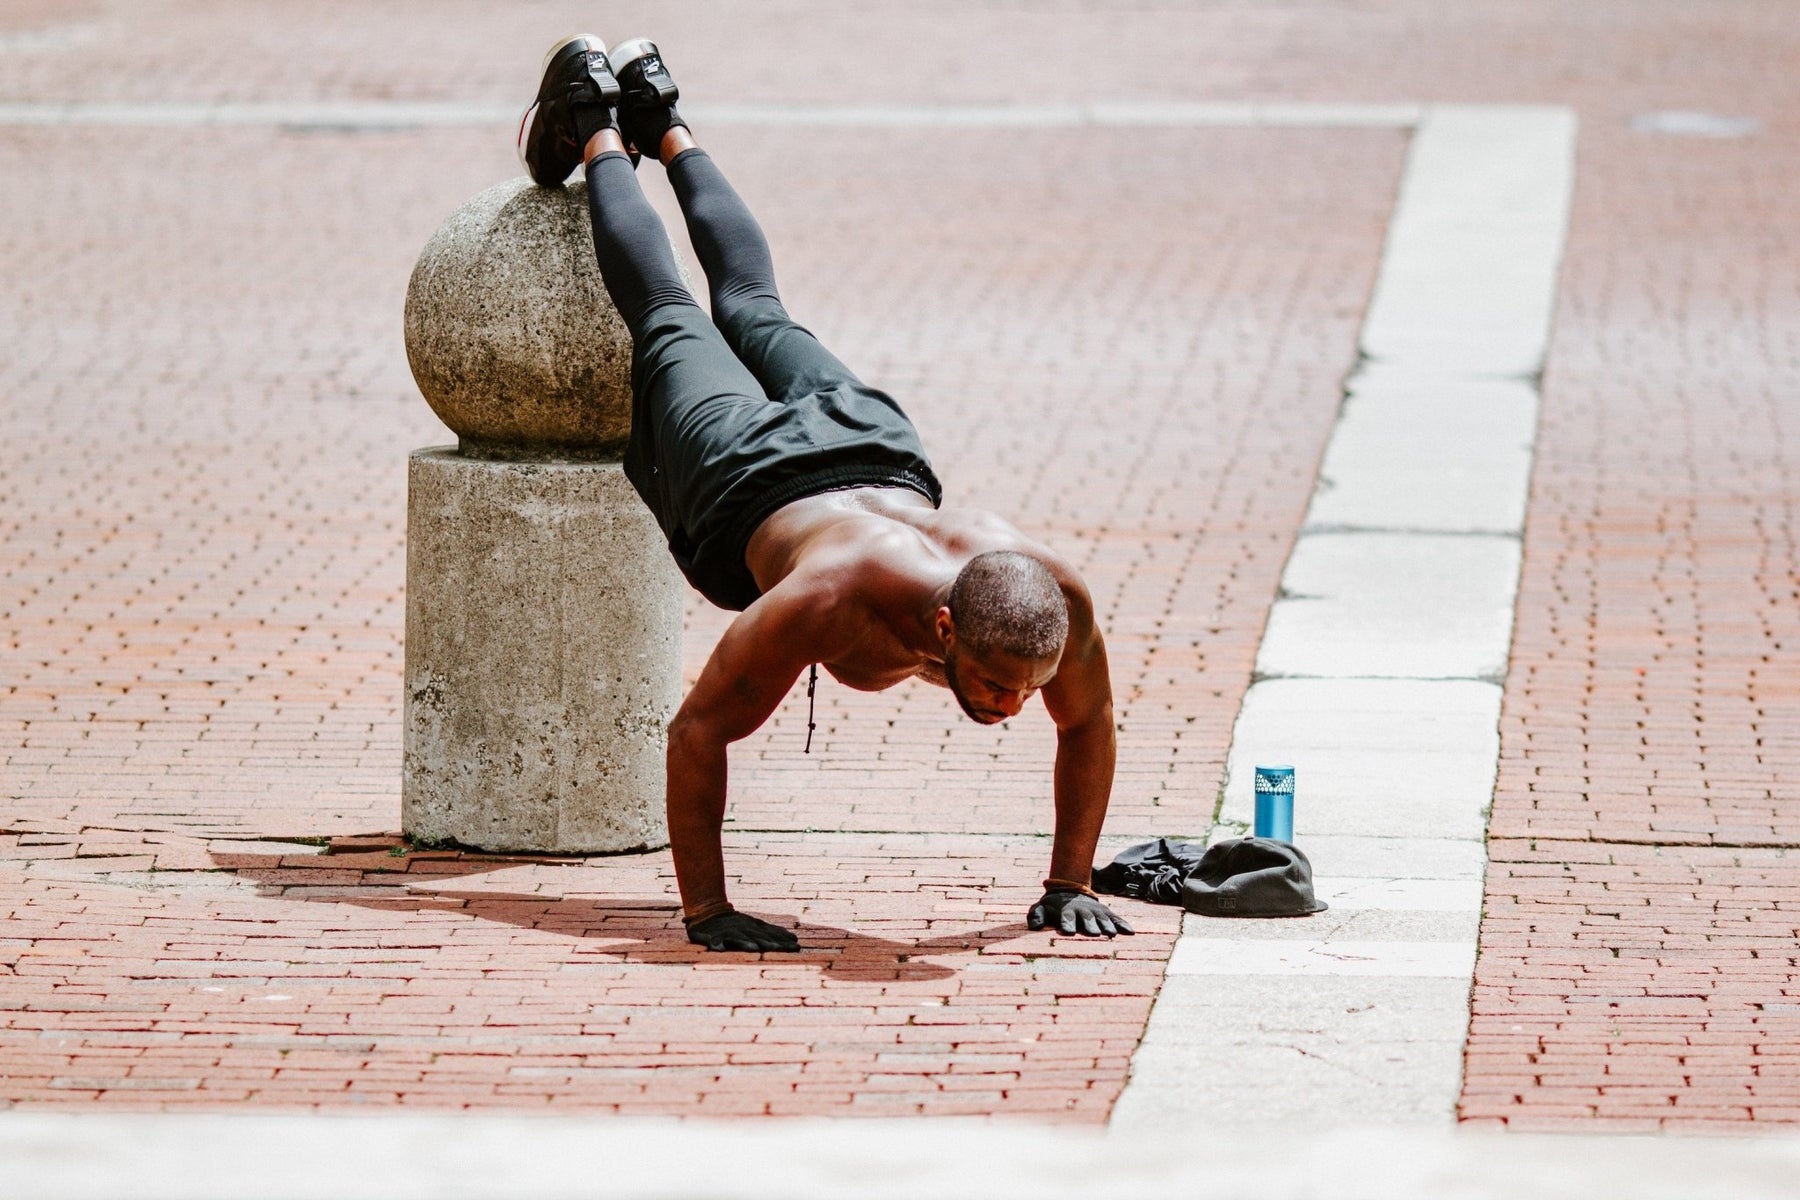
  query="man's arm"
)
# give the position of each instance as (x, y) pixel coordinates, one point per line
(1079, 700)
(750, 671)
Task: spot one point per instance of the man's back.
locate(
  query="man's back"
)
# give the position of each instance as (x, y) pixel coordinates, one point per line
(887, 557)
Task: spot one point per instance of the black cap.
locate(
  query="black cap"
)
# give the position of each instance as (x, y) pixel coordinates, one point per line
(1251, 877)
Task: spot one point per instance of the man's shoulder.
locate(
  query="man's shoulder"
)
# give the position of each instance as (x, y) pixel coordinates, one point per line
(874, 553)
(949, 536)
(978, 531)
(866, 553)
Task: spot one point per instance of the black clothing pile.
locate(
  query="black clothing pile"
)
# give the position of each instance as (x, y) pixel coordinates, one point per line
(1152, 871)
(1243, 877)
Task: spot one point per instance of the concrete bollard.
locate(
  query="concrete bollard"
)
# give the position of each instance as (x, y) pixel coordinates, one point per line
(543, 613)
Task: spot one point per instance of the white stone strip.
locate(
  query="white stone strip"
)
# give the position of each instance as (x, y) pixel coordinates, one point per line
(1379, 674)
(1372, 757)
(1430, 455)
(1311, 1051)
(462, 1156)
(400, 114)
(1166, 113)
(1346, 894)
(1468, 276)
(1270, 956)
(1359, 605)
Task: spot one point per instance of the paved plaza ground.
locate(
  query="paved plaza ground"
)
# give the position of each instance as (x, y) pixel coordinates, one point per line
(1134, 340)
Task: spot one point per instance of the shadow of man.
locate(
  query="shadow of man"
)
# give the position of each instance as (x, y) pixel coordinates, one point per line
(387, 876)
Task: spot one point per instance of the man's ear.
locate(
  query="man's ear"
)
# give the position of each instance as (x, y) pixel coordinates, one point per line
(945, 625)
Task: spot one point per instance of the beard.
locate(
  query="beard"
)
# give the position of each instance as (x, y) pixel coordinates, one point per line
(979, 716)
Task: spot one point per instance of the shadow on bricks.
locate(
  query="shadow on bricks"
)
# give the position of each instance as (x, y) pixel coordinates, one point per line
(385, 880)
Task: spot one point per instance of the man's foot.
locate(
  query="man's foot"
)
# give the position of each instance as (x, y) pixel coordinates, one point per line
(647, 107)
(575, 101)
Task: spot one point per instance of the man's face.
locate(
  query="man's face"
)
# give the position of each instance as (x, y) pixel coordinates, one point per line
(994, 686)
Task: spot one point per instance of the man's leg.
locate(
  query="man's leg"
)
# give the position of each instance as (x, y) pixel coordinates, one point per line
(678, 358)
(630, 242)
(785, 357)
(740, 273)
(733, 251)
(692, 398)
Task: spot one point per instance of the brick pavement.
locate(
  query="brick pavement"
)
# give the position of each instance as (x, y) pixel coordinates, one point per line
(1134, 345)
(1637, 906)
(1639, 955)
(1634, 987)
(210, 974)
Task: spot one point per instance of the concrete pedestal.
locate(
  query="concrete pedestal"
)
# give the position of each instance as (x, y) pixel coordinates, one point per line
(543, 645)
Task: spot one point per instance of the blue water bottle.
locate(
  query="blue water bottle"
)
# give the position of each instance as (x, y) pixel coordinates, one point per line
(1275, 803)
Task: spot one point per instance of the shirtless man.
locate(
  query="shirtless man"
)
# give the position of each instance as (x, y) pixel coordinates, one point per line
(794, 493)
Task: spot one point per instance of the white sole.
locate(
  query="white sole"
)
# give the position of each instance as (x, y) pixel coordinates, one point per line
(556, 49)
(629, 50)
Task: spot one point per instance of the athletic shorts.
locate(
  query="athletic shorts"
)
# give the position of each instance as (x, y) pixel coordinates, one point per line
(720, 440)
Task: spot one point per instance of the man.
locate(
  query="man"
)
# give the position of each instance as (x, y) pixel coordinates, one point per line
(794, 493)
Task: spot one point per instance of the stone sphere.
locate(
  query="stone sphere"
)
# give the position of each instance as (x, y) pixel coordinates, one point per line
(510, 333)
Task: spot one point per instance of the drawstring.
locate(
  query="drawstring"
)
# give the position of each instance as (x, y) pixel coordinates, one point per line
(812, 683)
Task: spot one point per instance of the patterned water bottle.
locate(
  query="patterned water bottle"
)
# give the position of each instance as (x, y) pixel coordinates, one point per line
(1275, 803)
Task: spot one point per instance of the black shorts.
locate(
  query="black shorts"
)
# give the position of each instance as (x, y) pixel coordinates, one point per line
(713, 451)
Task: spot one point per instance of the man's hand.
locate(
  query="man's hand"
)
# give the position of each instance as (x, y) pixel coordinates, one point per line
(1076, 912)
(733, 930)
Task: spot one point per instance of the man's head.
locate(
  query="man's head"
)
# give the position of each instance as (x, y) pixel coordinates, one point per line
(1003, 629)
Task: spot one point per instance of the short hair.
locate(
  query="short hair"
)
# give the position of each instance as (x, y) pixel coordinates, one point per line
(1003, 600)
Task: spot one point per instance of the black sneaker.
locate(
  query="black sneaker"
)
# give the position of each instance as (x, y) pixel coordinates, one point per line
(647, 105)
(575, 101)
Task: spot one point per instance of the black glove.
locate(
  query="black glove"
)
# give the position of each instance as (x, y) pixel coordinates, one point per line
(733, 930)
(1075, 912)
